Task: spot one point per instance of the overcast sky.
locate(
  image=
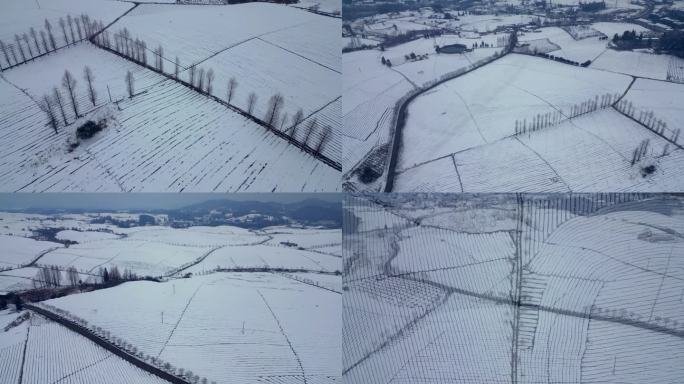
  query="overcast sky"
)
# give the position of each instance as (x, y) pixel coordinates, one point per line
(143, 201)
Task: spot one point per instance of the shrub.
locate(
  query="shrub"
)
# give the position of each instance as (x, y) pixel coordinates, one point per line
(645, 171)
(89, 129)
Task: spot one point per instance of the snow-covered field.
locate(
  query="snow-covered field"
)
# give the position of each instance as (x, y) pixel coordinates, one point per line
(19, 16)
(269, 49)
(158, 250)
(20, 251)
(636, 63)
(277, 319)
(42, 351)
(370, 92)
(571, 49)
(663, 98)
(446, 125)
(153, 144)
(267, 328)
(596, 276)
(472, 148)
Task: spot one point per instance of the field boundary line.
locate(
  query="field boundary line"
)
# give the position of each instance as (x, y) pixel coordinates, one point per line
(282, 331)
(301, 280)
(23, 355)
(460, 182)
(180, 318)
(546, 162)
(297, 54)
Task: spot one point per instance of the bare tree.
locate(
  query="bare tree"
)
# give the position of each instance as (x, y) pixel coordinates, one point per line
(62, 25)
(117, 43)
(14, 54)
(210, 78)
(191, 75)
(232, 84)
(44, 40)
(48, 27)
(275, 104)
(125, 42)
(283, 121)
(200, 79)
(160, 56)
(136, 50)
(88, 75)
(21, 50)
(296, 120)
(86, 25)
(5, 52)
(60, 104)
(78, 28)
(69, 83)
(251, 101)
(72, 273)
(143, 51)
(310, 128)
(28, 44)
(325, 136)
(130, 84)
(34, 36)
(50, 112)
(70, 21)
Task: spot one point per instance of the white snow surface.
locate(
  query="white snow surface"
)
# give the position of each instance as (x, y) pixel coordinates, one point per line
(268, 327)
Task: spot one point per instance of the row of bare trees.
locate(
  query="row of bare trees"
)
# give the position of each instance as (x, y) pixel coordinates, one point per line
(54, 104)
(649, 120)
(640, 151)
(311, 134)
(545, 120)
(51, 277)
(31, 44)
(127, 346)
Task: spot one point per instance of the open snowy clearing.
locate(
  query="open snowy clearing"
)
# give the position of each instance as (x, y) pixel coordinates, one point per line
(268, 327)
(185, 30)
(636, 63)
(571, 49)
(586, 302)
(663, 98)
